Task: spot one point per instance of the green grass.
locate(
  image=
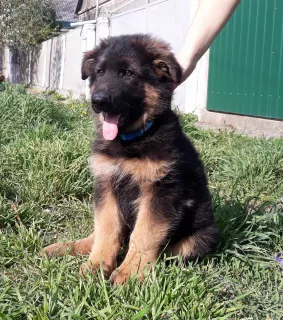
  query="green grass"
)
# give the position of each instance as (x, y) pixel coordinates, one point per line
(45, 196)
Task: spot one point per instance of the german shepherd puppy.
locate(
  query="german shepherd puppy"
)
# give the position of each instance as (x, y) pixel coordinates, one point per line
(151, 189)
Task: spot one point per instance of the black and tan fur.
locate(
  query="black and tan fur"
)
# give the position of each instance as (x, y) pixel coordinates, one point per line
(152, 191)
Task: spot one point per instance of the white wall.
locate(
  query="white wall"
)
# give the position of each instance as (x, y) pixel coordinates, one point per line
(55, 64)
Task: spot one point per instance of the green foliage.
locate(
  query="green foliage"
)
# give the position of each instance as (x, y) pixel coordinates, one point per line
(24, 23)
(45, 189)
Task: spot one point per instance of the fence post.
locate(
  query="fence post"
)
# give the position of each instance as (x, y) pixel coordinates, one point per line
(7, 67)
(88, 43)
(63, 43)
(102, 29)
(29, 50)
(44, 48)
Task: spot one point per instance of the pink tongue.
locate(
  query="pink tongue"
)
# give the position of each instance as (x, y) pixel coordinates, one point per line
(110, 126)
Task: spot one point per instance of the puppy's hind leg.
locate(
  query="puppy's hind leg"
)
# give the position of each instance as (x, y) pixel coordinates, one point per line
(74, 248)
(196, 245)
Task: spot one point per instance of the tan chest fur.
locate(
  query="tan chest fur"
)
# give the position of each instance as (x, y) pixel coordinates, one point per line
(141, 170)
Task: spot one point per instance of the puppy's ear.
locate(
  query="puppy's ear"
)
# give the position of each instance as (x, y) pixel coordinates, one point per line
(169, 68)
(88, 63)
(159, 52)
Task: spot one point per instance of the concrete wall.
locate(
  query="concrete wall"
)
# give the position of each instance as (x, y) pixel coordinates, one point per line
(71, 77)
(56, 64)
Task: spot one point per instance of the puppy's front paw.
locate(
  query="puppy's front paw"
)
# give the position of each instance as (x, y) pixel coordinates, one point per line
(94, 268)
(87, 268)
(122, 276)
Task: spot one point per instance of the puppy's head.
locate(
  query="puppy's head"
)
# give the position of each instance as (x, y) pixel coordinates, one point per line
(132, 79)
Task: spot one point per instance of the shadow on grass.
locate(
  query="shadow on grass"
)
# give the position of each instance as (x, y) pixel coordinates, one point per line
(249, 230)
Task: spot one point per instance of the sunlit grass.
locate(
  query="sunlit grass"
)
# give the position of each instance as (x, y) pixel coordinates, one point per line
(45, 196)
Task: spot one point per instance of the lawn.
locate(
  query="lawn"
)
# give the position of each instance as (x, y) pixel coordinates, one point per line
(45, 196)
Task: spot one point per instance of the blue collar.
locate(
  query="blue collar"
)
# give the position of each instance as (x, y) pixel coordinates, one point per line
(136, 134)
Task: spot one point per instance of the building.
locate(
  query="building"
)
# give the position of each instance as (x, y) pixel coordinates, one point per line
(65, 12)
(86, 9)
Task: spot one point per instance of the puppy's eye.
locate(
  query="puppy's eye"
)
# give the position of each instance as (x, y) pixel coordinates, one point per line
(162, 66)
(100, 72)
(128, 73)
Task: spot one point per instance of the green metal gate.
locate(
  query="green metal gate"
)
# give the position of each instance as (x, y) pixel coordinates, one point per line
(246, 62)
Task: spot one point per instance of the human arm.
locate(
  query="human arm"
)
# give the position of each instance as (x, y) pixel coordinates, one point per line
(210, 18)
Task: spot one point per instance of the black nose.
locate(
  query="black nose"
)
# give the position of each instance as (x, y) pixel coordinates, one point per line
(100, 99)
